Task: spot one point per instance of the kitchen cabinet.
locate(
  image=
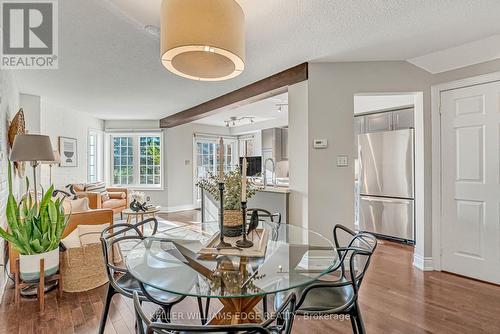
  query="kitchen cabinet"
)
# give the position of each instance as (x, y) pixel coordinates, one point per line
(403, 119)
(275, 140)
(284, 143)
(378, 122)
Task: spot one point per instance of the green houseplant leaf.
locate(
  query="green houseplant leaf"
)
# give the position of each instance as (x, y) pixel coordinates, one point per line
(232, 188)
(33, 228)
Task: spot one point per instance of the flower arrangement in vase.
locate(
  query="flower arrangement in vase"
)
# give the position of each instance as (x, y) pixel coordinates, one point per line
(233, 219)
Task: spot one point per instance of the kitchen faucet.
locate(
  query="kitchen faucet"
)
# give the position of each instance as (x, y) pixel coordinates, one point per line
(273, 180)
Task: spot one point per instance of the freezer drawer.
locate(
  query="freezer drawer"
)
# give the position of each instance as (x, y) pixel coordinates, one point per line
(387, 216)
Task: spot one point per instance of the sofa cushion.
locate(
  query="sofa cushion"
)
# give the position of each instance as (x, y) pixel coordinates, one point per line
(75, 205)
(90, 234)
(114, 203)
(116, 194)
(99, 187)
(72, 240)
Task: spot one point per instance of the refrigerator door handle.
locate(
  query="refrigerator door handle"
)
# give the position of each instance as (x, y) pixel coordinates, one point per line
(386, 200)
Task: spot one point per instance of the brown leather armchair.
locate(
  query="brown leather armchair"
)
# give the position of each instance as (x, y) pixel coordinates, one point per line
(118, 198)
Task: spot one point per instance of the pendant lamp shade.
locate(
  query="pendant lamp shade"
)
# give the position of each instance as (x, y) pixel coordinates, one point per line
(203, 40)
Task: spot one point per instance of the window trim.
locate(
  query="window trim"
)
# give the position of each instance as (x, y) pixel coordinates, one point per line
(136, 154)
(98, 154)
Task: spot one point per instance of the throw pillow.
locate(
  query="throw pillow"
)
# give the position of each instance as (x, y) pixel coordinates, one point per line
(116, 194)
(90, 234)
(99, 187)
(76, 205)
(72, 240)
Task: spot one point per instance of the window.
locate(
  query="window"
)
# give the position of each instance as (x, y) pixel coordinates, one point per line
(150, 160)
(137, 160)
(207, 155)
(95, 155)
(123, 160)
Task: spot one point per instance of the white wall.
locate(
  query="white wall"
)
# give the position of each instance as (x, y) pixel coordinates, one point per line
(61, 121)
(331, 89)
(298, 147)
(179, 155)
(9, 105)
(367, 103)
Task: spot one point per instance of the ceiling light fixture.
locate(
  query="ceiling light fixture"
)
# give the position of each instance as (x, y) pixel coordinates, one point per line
(233, 120)
(203, 40)
(280, 106)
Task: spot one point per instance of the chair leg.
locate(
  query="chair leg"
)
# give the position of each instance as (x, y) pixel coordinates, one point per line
(352, 317)
(207, 308)
(264, 306)
(359, 320)
(202, 314)
(105, 310)
(166, 314)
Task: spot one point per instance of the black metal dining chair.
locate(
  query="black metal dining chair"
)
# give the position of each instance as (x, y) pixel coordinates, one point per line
(339, 296)
(266, 216)
(280, 323)
(114, 239)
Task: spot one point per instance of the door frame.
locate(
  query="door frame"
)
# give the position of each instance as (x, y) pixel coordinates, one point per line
(437, 211)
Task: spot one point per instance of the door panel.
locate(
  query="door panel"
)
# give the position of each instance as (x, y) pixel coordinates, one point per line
(470, 224)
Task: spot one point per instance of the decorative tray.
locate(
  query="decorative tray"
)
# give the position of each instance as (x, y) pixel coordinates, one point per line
(258, 237)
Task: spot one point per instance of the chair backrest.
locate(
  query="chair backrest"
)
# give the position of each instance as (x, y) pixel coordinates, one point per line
(283, 318)
(265, 215)
(358, 251)
(115, 239)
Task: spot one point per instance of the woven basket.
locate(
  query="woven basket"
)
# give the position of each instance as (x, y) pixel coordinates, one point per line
(233, 223)
(83, 268)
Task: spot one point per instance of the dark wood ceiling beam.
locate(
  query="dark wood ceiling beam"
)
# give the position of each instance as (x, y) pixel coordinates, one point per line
(268, 87)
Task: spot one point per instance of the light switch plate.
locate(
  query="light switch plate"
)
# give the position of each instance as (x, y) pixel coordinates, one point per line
(342, 160)
(320, 143)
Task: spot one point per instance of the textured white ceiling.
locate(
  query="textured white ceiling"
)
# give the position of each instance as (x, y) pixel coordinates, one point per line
(263, 111)
(109, 65)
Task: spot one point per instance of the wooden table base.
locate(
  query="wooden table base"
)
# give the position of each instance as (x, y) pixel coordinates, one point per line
(237, 311)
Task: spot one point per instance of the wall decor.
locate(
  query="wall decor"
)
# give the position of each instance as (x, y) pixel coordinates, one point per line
(17, 127)
(68, 151)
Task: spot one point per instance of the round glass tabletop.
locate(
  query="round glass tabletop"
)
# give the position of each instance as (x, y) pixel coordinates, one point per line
(175, 261)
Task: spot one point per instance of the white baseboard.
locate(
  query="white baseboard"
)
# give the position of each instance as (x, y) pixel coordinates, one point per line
(167, 209)
(423, 263)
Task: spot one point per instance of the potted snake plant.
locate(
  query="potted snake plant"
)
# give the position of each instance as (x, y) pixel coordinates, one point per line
(35, 231)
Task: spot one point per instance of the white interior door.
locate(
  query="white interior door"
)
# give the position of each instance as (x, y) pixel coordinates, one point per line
(470, 232)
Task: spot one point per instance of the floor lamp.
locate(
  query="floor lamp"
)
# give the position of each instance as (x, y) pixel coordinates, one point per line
(32, 148)
(57, 160)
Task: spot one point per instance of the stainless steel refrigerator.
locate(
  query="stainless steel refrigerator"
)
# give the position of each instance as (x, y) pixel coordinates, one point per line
(386, 162)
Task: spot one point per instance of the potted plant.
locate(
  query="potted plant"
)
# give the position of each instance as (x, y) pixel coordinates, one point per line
(35, 231)
(233, 219)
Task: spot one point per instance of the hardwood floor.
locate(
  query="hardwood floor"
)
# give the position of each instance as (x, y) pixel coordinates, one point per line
(395, 298)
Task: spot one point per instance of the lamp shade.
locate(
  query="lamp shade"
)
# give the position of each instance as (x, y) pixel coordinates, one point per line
(57, 159)
(203, 40)
(32, 148)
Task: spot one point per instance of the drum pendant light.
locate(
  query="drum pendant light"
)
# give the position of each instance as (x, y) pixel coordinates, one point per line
(203, 40)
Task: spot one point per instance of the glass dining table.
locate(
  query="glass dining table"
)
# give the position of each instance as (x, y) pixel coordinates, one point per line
(172, 261)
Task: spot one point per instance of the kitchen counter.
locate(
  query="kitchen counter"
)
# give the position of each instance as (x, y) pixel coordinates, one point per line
(272, 199)
(271, 189)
